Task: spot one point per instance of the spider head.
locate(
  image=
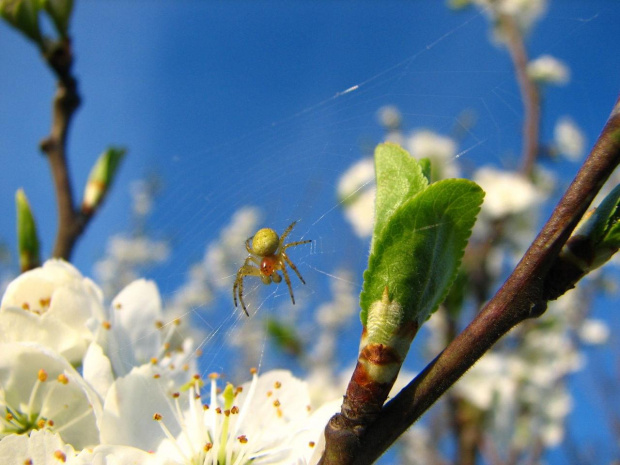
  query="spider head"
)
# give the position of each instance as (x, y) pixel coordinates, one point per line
(265, 242)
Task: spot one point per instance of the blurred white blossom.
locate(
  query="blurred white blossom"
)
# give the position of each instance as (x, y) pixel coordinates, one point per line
(524, 12)
(506, 192)
(125, 256)
(548, 70)
(389, 117)
(356, 192)
(593, 331)
(569, 139)
(142, 193)
(440, 150)
(127, 253)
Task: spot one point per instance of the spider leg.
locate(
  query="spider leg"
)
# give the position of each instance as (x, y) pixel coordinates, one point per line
(293, 244)
(247, 244)
(292, 265)
(287, 231)
(288, 283)
(246, 270)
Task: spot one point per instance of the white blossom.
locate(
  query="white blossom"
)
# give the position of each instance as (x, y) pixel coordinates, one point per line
(117, 455)
(51, 305)
(389, 117)
(136, 332)
(440, 150)
(39, 447)
(39, 390)
(490, 379)
(569, 139)
(267, 420)
(356, 191)
(593, 331)
(524, 12)
(548, 70)
(506, 193)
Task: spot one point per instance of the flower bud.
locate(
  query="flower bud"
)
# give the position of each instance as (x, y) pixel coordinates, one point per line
(24, 16)
(60, 12)
(27, 240)
(100, 179)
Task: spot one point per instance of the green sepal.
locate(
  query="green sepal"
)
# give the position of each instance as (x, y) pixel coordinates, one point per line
(399, 178)
(27, 239)
(418, 252)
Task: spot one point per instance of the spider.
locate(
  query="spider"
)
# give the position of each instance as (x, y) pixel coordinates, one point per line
(267, 257)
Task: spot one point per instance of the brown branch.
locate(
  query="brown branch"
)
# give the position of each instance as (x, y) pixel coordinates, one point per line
(524, 295)
(71, 222)
(529, 92)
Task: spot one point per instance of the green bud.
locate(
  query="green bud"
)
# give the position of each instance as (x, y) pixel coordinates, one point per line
(284, 337)
(600, 228)
(24, 16)
(100, 178)
(60, 12)
(596, 238)
(27, 240)
(458, 4)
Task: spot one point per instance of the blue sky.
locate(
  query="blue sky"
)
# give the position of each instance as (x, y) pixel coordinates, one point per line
(239, 103)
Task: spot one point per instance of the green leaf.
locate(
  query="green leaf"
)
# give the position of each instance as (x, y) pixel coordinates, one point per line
(419, 250)
(399, 177)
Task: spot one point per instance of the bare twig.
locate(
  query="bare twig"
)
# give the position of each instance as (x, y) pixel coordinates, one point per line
(524, 295)
(529, 92)
(71, 222)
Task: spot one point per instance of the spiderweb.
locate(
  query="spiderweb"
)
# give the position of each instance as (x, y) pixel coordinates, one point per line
(252, 123)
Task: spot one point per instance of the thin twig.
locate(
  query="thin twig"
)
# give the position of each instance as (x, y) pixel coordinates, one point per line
(530, 95)
(71, 222)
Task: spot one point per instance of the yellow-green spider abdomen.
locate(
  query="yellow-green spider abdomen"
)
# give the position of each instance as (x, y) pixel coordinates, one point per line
(265, 242)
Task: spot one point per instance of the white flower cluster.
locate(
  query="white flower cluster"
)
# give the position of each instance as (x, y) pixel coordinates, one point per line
(548, 70)
(84, 383)
(524, 12)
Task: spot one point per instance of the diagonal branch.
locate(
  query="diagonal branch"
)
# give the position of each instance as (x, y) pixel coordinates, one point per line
(524, 295)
